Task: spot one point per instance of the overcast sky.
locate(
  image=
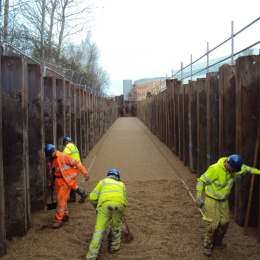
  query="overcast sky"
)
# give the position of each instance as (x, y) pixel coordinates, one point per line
(150, 38)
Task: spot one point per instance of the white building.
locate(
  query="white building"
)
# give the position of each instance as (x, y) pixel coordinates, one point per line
(127, 87)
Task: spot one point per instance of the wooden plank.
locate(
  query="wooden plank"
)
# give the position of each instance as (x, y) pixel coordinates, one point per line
(87, 122)
(82, 123)
(180, 121)
(177, 84)
(227, 110)
(15, 145)
(73, 113)
(227, 117)
(247, 107)
(201, 125)
(50, 110)
(212, 103)
(91, 126)
(192, 121)
(2, 186)
(60, 112)
(78, 120)
(169, 116)
(67, 108)
(36, 138)
(185, 125)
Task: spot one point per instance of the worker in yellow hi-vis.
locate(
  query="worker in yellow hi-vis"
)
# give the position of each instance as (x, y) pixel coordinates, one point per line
(72, 150)
(109, 199)
(217, 182)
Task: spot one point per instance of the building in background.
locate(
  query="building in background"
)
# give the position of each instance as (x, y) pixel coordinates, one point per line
(127, 88)
(148, 87)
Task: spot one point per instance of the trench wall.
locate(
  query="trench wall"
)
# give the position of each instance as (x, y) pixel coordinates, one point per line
(210, 118)
(34, 111)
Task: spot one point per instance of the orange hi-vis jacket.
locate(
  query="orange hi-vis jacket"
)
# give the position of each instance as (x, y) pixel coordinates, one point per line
(67, 168)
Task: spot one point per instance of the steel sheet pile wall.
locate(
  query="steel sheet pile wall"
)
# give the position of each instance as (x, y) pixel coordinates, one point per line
(35, 111)
(60, 112)
(36, 137)
(15, 145)
(247, 120)
(2, 188)
(211, 118)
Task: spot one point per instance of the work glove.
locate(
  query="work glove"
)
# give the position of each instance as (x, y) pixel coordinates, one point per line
(94, 203)
(199, 202)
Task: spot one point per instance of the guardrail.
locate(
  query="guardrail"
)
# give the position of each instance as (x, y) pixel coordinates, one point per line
(188, 69)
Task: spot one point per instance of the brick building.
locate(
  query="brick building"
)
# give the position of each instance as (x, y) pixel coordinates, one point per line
(144, 87)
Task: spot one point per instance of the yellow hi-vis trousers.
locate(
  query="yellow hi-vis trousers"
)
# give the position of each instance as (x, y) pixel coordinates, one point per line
(216, 213)
(109, 210)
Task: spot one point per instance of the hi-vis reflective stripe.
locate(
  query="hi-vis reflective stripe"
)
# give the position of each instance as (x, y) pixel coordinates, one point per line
(59, 209)
(79, 165)
(69, 148)
(92, 252)
(199, 183)
(66, 167)
(229, 184)
(112, 183)
(216, 194)
(116, 235)
(99, 232)
(113, 191)
(97, 238)
(75, 152)
(71, 164)
(96, 192)
(72, 176)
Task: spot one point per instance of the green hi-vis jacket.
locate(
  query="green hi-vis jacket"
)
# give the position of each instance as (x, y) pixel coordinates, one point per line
(72, 150)
(109, 189)
(218, 182)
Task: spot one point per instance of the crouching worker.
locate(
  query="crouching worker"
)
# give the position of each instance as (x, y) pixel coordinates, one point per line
(218, 181)
(64, 169)
(110, 200)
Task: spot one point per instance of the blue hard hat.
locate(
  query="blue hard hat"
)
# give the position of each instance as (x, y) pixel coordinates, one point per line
(113, 173)
(236, 161)
(67, 139)
(49, 149)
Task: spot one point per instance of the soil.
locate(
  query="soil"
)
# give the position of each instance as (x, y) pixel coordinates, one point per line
(162, 216)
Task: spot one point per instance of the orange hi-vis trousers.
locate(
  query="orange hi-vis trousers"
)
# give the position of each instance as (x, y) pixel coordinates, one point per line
(63, 192)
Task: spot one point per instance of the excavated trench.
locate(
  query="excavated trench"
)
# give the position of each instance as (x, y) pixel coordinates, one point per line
(161, 214)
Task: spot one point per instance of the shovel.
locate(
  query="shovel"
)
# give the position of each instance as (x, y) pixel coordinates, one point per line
(127, 236)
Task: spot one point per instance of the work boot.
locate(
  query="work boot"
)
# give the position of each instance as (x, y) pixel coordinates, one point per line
(113, 251)
(66, 218)
(56, 224)
(207, 247)
(219, 236)
(82, 194)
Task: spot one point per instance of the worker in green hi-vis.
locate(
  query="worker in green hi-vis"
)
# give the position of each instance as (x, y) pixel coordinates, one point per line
(110, 200)
(217, 182)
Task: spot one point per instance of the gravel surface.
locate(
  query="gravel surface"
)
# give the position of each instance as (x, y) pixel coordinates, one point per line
(161, 215)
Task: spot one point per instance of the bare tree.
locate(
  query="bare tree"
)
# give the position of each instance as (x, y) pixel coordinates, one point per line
(52, 10)
(42, 31)
(73, 16)
(6, 13)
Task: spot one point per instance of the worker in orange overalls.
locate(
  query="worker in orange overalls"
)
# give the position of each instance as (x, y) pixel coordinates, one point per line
(65, 170)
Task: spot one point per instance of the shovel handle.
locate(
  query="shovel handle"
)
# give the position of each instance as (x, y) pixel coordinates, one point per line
(249, 204)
